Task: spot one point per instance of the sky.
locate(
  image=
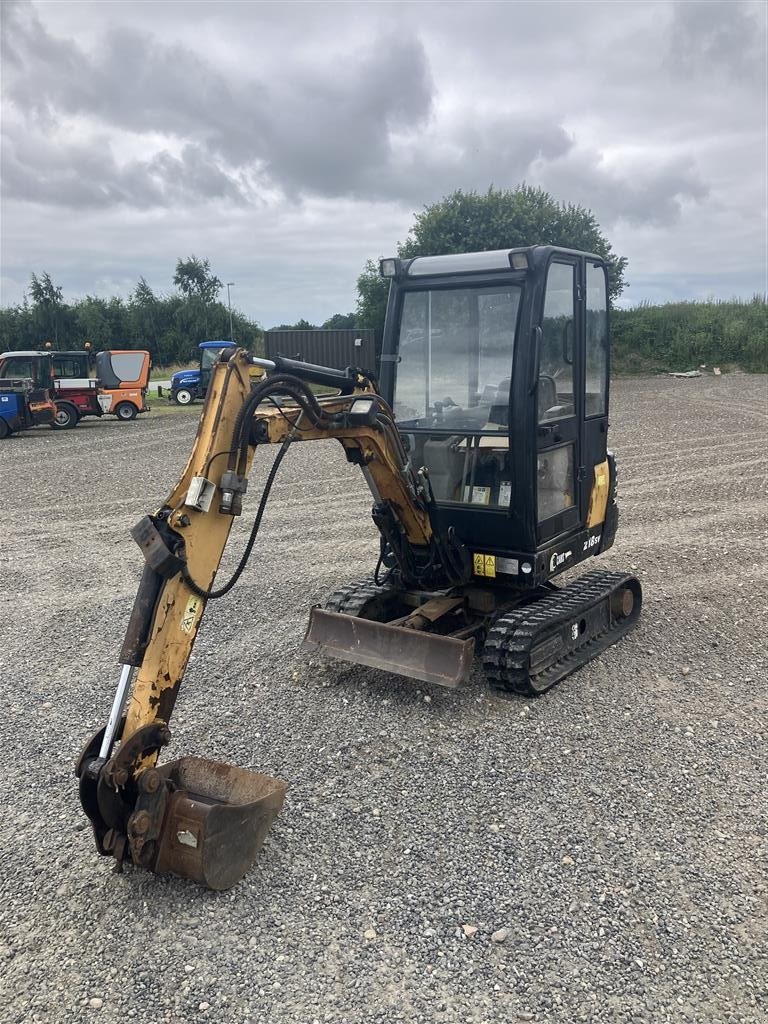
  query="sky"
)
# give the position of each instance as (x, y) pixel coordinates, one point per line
(288, 143)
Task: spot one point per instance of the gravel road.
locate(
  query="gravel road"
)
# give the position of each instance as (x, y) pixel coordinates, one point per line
(612, 835)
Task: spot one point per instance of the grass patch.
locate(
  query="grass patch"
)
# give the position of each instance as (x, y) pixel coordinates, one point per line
(166, 372)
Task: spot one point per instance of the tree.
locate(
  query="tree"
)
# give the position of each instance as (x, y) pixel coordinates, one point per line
(372, 292)
(143, 305)
(340, 322)
(168, 325)
(496, 219)
(194, 279)
(300, 325)
(47, 300)
(200, 287)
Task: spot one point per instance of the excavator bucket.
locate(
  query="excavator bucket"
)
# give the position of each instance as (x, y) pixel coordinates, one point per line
(417, 654)
(215, 821)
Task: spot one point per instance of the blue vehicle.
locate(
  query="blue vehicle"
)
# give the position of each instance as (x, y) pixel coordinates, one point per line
(23, 405)
(187, 385)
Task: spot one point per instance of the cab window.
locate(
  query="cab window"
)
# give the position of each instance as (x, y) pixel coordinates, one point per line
(558, 342)
(456, 347)
(69, 367)
(596, 341)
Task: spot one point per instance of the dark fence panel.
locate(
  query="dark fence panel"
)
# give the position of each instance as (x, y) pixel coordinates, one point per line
(339, 348)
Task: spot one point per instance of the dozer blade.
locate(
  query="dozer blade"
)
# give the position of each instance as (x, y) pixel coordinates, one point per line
(433, 658)
(215, 820)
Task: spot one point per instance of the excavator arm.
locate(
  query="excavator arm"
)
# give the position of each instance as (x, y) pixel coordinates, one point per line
(193, 817)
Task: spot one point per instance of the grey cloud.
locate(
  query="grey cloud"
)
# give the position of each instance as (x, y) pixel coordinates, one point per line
(325, 132)
(79, 175)
(472, 153)
(132, 82)
(332, 135)
(718, 37)
(330, 131)
(638, 193)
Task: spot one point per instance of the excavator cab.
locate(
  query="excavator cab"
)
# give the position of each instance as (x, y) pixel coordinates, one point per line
(496, 365)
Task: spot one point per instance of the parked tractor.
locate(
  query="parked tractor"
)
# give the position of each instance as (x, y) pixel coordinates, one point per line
(187, 385)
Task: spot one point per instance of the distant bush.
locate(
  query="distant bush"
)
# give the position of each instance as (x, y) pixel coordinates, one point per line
(684, 335)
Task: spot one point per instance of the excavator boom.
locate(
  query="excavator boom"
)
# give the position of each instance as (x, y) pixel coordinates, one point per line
(198, 818)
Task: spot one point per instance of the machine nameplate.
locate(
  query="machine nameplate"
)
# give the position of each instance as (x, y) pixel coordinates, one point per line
(510, 566)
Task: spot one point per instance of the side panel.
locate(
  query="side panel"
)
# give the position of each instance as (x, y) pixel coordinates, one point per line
(123, 368)
(12, 411)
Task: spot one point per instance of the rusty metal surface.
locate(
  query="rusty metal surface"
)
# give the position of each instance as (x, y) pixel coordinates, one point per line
(431, 611)
(216, 819)
(416, 654)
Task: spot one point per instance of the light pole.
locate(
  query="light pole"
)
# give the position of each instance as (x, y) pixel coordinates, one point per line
(230, 284)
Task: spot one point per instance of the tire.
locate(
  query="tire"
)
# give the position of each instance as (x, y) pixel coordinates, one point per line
(5, 430)
(67, 417)
(184, 396)
(126, 411)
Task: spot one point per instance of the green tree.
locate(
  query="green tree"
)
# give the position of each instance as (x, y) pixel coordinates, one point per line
(300, 325)
(200, 287)
(372, 292)
(496, 219)
(92, 322)
(145, 316)
(340, 322)
(47, 302)
(194, 279)
(168, 325)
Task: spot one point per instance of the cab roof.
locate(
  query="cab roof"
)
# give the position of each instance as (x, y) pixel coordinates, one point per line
(493, 259)
(26, 352)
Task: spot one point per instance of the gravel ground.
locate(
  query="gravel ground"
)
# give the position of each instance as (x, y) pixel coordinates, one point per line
(611, 833)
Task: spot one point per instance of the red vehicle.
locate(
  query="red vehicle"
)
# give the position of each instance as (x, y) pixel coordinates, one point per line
(117, 388)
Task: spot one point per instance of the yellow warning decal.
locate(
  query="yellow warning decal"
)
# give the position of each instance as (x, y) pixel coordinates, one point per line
(485, 565)
(598, 499)
(190, 614)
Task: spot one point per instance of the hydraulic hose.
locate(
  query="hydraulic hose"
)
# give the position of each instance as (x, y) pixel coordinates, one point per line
(221, 591)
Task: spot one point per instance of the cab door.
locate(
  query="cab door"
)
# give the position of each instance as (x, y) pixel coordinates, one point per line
(595, 388)
(559, 401)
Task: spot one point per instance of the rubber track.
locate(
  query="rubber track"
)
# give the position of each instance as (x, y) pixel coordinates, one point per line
(508, 645)
(351, 600)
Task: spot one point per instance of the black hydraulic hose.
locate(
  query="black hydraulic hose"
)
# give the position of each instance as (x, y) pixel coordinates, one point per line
(298, 397)
(221, 591)
(277, 384)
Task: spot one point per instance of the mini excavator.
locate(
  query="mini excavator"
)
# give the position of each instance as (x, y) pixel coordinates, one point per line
(484, 445)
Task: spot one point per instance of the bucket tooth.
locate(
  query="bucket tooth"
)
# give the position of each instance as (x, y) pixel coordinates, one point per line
(417, 654)
(215, 821)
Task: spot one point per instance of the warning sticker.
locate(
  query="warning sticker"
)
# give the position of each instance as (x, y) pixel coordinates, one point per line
(190, 614)
(485, 565)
